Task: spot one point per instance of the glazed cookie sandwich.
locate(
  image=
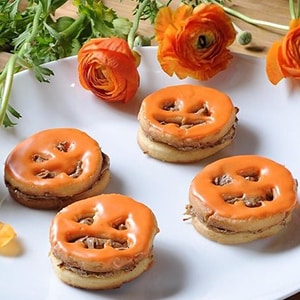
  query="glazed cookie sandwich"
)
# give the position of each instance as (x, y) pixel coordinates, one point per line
(102, 242)
(56, 167)
(242, 198)
(186, 123)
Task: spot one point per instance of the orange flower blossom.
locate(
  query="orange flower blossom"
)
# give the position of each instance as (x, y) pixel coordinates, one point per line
(108, 68)
(193, 42)
(283, 58)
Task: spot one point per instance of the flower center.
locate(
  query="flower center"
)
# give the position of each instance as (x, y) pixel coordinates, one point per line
(204, 41)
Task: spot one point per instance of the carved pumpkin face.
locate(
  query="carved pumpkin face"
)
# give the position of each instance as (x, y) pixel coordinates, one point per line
(55, 161)
(188, 112)
(245, 186)
(108, 231)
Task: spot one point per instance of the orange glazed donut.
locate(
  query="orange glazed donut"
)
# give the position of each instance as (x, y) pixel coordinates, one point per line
(242, 198)
(186, 123)
(102, 242)
(56, 167)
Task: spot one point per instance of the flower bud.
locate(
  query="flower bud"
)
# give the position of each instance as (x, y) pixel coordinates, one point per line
(142, 40)
(244, 38)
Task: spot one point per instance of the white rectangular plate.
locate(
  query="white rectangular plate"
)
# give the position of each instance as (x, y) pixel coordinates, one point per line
(187, 266)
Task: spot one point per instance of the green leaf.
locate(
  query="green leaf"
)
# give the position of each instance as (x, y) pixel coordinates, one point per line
(55, 4)
(53, 32)
(63, 23)
(122, 27)
(13, 112)
(102, 19)
(42, 74)
(7, 121)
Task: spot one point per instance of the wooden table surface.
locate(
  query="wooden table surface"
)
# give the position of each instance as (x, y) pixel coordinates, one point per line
(276, 11)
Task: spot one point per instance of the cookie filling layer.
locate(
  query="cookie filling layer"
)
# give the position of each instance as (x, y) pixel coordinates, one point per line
(84, 273)
(29, 197)
(227, 137)
(192, 215)
(107, 274)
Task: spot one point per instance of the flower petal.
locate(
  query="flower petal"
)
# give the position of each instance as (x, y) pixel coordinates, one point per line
(272, 64)
(283, 58)
(162, 21)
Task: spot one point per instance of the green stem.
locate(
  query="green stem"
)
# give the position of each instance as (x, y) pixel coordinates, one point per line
(23, 63)
(10, 71)
(3, 74)
(73, 28)
(292, 9)
(135, 24)
(35, 29)
(250, 20)
(294, 14)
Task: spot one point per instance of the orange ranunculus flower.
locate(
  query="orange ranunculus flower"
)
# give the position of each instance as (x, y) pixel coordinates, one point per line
(108, 68)
(194, 42)
(283, 58)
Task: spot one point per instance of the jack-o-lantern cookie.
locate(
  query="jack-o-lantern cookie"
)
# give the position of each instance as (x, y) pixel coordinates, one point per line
(103, 241)
(56, 167)
(186, 123)
(242, 198)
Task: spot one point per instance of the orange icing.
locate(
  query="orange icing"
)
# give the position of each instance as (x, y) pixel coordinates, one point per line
(108, 210)
(271, 176)
(189, 98)
(23, 169)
